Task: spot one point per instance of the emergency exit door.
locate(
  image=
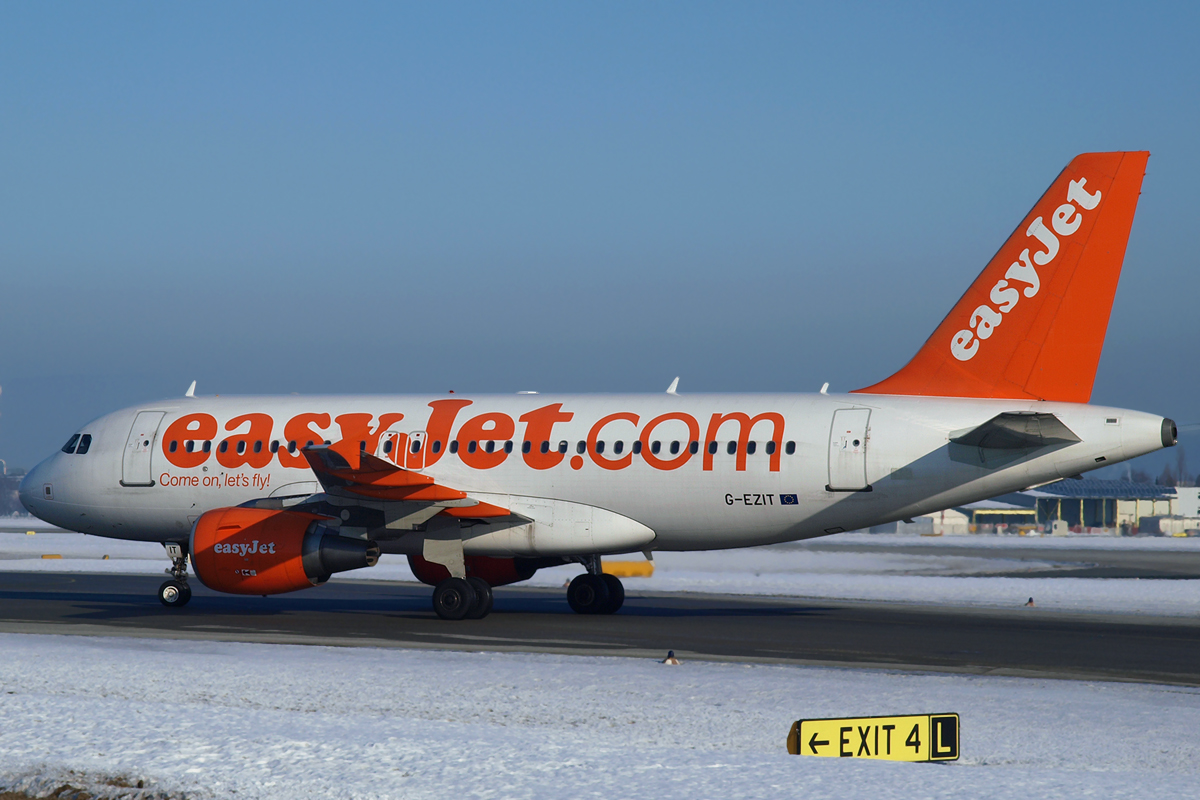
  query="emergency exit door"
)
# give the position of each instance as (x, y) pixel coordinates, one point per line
(848, 450)
(135, 463)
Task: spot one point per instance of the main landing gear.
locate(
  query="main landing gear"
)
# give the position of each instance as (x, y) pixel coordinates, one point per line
(595, 591)
(462, 598)
(176, 593)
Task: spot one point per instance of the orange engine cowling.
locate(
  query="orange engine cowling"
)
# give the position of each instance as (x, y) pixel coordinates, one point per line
(268, 551)
(496, 571)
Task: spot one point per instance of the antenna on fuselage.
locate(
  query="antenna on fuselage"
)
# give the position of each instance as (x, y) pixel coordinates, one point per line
(674, 385)
(191, 392)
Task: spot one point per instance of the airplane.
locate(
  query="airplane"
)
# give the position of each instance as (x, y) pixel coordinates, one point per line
(265, 495)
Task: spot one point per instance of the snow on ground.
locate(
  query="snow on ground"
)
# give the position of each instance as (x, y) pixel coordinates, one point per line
(215, 719)
(831, 568)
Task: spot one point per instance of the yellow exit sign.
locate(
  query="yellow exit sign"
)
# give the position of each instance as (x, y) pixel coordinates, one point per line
(918, 737)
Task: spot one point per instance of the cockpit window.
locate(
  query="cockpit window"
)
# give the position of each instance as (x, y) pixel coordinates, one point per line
(69, 447)
(85, 443)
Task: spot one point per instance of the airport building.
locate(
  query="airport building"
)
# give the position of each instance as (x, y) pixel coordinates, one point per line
(1116, 508)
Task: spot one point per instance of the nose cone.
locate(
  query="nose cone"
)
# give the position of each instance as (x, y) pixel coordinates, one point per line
(31, 489)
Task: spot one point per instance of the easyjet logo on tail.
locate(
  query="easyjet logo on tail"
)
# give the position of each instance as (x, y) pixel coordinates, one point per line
(1022, 276)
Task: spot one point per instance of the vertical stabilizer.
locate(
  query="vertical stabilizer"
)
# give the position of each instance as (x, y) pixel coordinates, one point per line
(1032, 324)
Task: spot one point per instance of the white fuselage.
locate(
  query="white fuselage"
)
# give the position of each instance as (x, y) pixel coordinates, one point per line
(131, 484)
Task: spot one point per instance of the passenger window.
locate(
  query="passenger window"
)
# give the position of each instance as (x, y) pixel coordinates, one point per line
(223, 446)
(674, 448)
(274, 445)
(694, 448)
(489, 447)
(310, 443)
(599, 446)
(751, 447)
(581, 448)
(189, 445)
(173, 446)
(508, 446)
(362, 447)
(472, 446)
(454, 446)
(207, 446)
(655, 446)
(731, 448)
(545, 448)
(771, 447)
(291, 446)
(618, 447)
(437, 445)
(637, 447)
(416, 445)
(562, 446)
(790, 448)
(387, 445)
(258, 446)
(241, 448)
(712, 447)
(85, 443)
(69, 447)
(526, 446)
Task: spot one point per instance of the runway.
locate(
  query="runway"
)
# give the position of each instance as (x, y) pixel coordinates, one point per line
(1028, 642)
(1077, 562)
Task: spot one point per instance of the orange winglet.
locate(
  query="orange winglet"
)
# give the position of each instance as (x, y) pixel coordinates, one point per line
(1032, 324)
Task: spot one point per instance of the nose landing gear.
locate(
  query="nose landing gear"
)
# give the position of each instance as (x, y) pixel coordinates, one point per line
(175, 593)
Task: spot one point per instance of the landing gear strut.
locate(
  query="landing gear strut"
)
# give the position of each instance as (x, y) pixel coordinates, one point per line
(176, 593)
(595, 592)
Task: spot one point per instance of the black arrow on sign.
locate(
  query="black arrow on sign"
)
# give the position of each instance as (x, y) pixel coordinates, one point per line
(813, 743)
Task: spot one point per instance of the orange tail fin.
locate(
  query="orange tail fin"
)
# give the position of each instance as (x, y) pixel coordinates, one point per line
(1032, 324)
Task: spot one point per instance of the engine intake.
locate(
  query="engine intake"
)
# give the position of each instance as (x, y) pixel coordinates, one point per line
(268, 551)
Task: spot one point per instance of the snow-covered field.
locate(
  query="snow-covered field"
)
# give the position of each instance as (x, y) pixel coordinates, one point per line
(230, 720)
(829, 568)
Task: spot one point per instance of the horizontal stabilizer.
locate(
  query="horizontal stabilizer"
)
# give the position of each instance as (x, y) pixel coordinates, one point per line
(1018, 430)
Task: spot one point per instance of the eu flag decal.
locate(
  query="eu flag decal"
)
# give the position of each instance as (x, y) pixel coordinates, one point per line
(788, 500)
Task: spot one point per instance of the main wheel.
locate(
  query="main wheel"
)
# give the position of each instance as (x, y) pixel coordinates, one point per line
(616, 593)
(453, 598)
(483, 598)
(174, 594)
(588, 594)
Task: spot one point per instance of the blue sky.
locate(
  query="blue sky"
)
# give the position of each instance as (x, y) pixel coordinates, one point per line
(585, 197)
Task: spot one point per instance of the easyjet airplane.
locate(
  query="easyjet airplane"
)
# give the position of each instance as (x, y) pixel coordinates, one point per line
(274, 494)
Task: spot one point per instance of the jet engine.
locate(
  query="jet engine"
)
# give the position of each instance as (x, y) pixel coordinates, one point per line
(268, 551)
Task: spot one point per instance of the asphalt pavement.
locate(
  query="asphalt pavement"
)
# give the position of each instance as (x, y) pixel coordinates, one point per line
(1020, 642)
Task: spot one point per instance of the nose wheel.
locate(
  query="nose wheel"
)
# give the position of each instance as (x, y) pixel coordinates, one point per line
(175, 593)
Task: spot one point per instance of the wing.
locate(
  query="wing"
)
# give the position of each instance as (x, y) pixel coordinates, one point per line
(375, 479)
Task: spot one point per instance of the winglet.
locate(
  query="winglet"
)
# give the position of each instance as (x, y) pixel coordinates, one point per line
(674, 386)
(191, 392)
(1032, 324)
